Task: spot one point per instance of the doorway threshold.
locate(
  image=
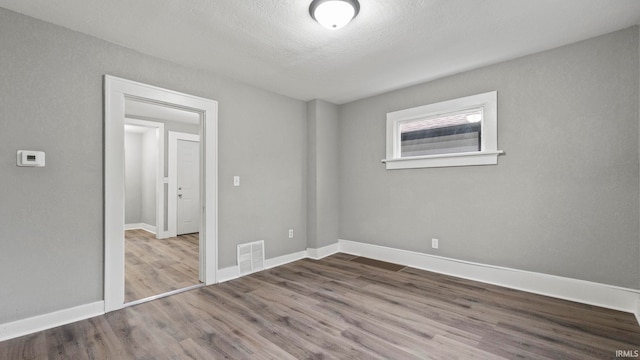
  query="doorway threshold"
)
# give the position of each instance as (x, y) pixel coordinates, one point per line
(163, 295)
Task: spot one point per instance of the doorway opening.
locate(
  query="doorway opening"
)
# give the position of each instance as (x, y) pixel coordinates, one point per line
(144, 109)
(157, 260)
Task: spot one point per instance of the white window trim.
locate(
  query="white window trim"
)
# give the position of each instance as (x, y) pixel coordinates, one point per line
(488, 154)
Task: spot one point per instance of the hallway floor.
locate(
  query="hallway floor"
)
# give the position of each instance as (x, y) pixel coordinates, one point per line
(154, 267)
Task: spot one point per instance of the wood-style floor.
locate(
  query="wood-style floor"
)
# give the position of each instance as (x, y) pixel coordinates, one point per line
(336, 308)
(154, 267)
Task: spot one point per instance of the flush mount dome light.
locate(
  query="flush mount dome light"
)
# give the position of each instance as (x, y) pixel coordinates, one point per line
(334, 14)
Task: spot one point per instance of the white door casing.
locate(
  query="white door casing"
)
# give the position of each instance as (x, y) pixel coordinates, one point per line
(115, 91)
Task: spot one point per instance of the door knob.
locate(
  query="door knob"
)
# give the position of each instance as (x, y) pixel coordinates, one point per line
(180, 196)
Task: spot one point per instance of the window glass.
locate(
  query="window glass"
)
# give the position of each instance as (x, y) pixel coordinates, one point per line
(454, 132)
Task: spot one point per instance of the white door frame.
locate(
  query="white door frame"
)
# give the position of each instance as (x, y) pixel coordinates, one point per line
(172, 204)
(160, 233)
(115, 91)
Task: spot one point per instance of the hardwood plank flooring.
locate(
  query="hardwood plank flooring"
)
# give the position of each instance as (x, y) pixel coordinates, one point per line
(154, 266)
(378, 263)
(336, 308)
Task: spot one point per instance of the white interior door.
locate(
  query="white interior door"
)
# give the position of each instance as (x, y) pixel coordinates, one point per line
(188, 182)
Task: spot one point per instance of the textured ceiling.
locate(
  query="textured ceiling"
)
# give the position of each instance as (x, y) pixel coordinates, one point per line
(275, 45)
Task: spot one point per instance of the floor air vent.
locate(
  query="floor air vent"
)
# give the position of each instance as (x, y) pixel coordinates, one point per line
(251, 257)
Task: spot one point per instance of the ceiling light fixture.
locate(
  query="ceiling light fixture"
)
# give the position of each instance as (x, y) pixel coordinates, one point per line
(334, 14)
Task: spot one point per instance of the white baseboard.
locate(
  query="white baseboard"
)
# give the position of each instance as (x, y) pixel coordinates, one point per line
(228, 273)
(141, 226)
(324, 251)
(284, 259)
(233, 272)
(586, 292)
(47, 321)
(132, 226)
(148, 228)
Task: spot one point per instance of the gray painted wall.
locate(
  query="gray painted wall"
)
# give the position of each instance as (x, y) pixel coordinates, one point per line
(140, 159)
(562, 201)
(149, 177)
(52, 218)
(132, 177)
(322, 173)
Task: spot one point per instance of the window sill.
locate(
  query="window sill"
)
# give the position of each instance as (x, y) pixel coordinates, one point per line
(444, 160)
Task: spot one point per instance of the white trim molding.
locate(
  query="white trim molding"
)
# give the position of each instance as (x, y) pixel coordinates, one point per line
(47, 321)
(486, 103)
(586, 292)
(116, 90)
(284, 259)
(319, 253)
(228, 273)
(445, 160)
(141, 226)
(232, 272)
(581, 291)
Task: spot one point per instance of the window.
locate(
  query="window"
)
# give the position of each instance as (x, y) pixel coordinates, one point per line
(459, 132)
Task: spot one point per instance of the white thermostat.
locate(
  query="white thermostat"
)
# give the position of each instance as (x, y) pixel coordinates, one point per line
(30, 158)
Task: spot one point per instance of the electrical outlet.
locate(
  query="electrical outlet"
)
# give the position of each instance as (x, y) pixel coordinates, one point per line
(434, 243)
(290, 233)
(236, 181)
